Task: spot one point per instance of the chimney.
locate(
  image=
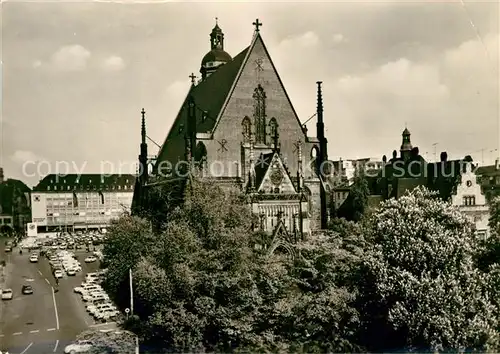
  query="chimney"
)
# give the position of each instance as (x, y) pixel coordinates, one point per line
(444, 156)
(1, 175)
(497, 165)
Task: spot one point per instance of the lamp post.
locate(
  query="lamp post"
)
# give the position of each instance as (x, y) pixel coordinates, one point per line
(132, 307)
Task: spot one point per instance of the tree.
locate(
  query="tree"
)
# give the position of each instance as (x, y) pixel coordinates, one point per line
(109, 341)
(203, 286)
(422, 287)
(359, 194)
(128, 239)
(494, 221)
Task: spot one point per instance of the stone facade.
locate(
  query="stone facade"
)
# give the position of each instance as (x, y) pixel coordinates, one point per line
(471, 201)
(233, 118)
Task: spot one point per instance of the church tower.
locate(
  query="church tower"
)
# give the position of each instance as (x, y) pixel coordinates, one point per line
(406, 146)
(217, 56)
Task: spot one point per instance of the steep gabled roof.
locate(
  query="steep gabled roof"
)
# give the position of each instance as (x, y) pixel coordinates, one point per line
(209, 97)
(257, 37)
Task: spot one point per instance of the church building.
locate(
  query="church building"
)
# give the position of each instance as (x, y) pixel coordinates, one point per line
(238, 126)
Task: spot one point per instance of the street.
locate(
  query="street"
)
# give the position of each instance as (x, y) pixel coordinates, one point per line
(47, 320)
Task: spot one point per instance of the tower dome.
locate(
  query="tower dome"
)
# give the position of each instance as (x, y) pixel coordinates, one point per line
(217, 56)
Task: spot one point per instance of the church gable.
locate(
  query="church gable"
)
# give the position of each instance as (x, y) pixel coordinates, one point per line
(271, 175)
(257, 103)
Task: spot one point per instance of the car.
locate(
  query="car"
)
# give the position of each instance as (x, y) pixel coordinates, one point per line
(90, 259)
(58, 273)
(71, 272)
(7, 294)
(80, 346)
(34, 258)
(27, 290)
(8, 249)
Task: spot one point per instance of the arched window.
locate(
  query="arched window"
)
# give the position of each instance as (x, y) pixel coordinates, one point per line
(259, 97)
(246, 127)
(273, 128)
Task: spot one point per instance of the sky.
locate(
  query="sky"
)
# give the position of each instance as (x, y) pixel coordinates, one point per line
(75, 75)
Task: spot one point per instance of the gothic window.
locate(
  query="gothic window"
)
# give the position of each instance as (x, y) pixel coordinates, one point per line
(259, 97)
(246, 126)
(273, 127)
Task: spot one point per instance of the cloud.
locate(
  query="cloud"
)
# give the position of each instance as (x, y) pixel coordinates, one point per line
(439, 100)
(305, 40)
(114, 63)
(71, 58)
(22, 156)
(339, 38)
(36, 64)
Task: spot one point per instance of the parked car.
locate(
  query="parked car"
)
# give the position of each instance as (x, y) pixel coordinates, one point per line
(8, 249)
(90, 259)
(58, 273)
(27, 290)
(71, 272)
(34, 258)
(81, 346)
(7, 294)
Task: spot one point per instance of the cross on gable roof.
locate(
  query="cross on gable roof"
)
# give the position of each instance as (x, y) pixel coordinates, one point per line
(212, 95)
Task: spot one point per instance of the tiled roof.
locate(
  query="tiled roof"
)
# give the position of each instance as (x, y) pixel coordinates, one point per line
(209, 97)
(56, 183)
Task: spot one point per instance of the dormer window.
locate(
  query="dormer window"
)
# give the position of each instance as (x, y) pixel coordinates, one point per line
(55, 188)
(48, 188)
(181, 128)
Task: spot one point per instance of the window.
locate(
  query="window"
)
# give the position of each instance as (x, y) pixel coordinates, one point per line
(273, 128)
(469, 200)
(246, 127)
(204, 116)
(181, 128)
(259, 97)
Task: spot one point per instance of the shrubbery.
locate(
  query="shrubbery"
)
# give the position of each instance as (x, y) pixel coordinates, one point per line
(411, 275)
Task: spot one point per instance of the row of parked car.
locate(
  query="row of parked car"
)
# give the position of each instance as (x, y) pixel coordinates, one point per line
(98, 303)
(63, 261)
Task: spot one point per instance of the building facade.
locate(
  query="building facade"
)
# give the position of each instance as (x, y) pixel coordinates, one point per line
(75, 202)
(471, 201)
(15, 210)
(237, 125)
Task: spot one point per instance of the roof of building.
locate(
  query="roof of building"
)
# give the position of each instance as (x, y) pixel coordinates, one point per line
(55, 183)
(9, 190)
(488, 170)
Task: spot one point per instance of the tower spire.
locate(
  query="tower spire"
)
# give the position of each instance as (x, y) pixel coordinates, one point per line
(143, 157)
(323, 156)
(143, 126)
